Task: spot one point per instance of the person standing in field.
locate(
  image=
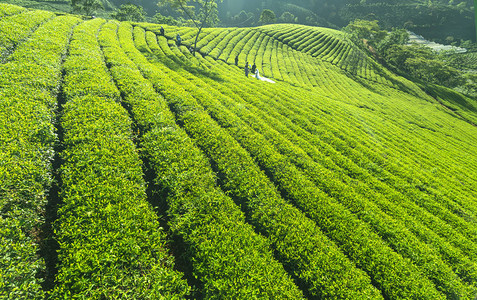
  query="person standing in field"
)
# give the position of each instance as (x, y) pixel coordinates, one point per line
(254, 68)
(246, 69)
(179, 40)
(236, 60)
(162, 31)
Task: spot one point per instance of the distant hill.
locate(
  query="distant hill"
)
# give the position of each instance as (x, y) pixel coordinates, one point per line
(440, 21)
(132, 168)
(443, 21)
(437, 19)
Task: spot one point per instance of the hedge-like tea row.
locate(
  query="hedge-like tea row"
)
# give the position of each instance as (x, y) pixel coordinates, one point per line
(354, 89)
(340, 138)
(8, 9)
(331, 182)
(334, 182)
(111, 245)
(27, 111)
(252, 46)
(304, 116)
(430, 220)
(229, 259)
(320, 267)
(331, 46)
(326, 45)
(13, 29)
(229, 53)
(394, 232)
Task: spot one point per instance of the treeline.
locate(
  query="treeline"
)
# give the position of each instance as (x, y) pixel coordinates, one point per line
(447, 21)
(418, 63)
(442, 22)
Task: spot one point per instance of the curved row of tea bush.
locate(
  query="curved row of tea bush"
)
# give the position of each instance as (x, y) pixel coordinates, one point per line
(346, 136)
(255, 95)
(272, 57)
(221, 43)
(17, 27)
(111, 244)
(299, 244)
(229, 53)
(328, 45)
(395, 233)
(403, 187)
(286, 142)
(319, 130)
(250, 49)
(237, 80)
(250, 46)
(362, 153)
(8, 9)
(228, 258)
(28, 103)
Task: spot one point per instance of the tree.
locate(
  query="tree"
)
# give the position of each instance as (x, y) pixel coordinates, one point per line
(366, 30)
(396, 37)
(287, 17)
(475, 19)
(160, 19)
(243, 19)
(202, 13)
(470, 86)
(267, 17)
(421, 62)
(87, 7)
(129, 12)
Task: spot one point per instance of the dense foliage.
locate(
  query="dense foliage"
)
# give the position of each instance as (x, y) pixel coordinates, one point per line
(129, 12)
(417, 62)
(86, 7)
(29, 80)
(168, 175)
(446, 21)
(111, 244)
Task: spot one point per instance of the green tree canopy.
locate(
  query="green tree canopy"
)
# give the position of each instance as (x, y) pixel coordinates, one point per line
(160, 19)
(475, 20)
(86, 7)
(129, 12)
(288, 17)
(422, 63)
(396, 37)
(268, 17)
(366, 30)
(202, 13)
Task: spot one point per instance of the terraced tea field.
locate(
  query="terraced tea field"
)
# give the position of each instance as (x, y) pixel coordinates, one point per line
(131, 169)
(470, 60)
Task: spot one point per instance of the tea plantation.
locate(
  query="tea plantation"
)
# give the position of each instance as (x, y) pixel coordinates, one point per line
(132, 169)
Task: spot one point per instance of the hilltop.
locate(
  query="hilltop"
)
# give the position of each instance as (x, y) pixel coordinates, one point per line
(131, 168)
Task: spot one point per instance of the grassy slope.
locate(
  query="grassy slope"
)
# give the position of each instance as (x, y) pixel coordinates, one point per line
(380, 172)
(389, 123)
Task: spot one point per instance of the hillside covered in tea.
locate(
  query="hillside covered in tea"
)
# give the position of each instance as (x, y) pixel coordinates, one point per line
(132, 168)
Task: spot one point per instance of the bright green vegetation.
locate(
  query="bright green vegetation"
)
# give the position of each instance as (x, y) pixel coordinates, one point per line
(7, 10)
(111, 245)
(282, 223)
(180, 177)
(16, 25)
(60, 6)
(29, 82)
(469, 60)
(233, 261)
